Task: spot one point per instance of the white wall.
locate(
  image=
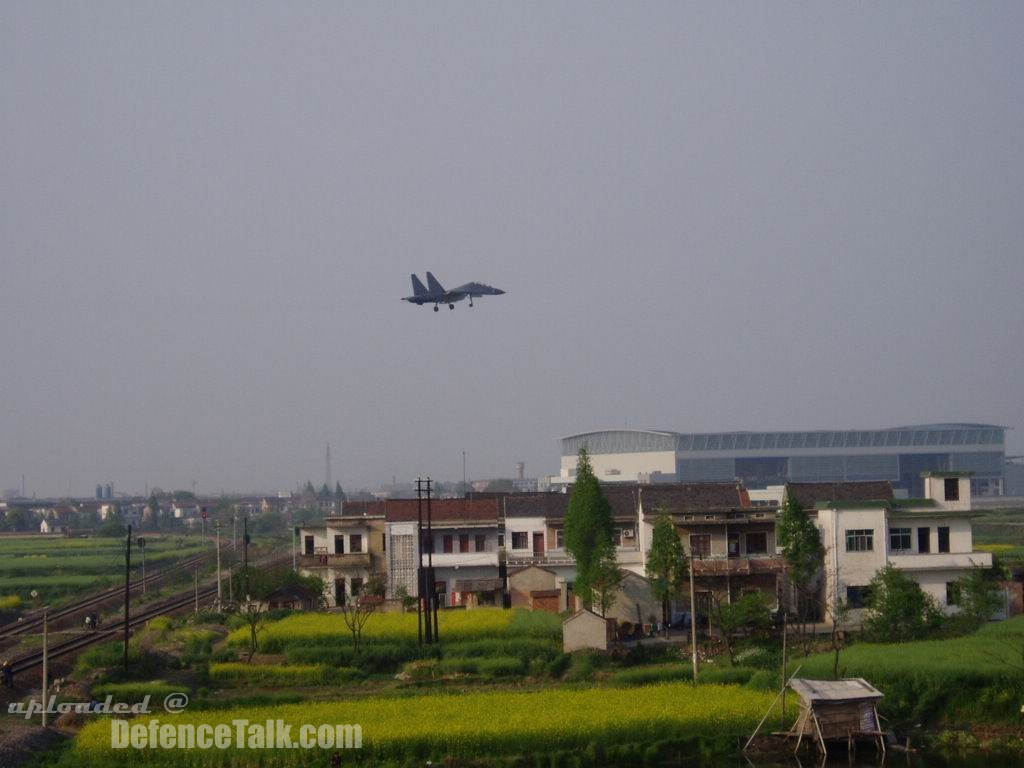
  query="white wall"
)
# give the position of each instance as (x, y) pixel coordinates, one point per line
(627, 465)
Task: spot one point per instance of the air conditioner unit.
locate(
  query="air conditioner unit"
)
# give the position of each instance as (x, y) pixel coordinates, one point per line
(628, 534)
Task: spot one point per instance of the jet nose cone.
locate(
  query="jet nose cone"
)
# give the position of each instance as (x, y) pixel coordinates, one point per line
(498, 292)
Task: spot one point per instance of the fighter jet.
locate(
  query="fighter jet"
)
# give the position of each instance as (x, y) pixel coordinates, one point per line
(434, 293)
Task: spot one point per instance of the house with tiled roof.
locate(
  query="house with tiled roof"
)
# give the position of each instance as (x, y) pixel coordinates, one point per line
(730, 543)
(864, 529)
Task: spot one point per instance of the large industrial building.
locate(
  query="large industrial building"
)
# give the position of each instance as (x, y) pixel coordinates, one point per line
(759, 459)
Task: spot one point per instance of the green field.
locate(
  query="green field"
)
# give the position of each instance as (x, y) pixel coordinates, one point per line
(59, 569)
(980, 676)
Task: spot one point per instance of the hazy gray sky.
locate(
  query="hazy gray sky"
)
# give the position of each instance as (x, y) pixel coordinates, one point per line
(707, 217)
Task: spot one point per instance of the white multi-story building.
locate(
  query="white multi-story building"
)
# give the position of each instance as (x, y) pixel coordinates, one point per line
(929, 539)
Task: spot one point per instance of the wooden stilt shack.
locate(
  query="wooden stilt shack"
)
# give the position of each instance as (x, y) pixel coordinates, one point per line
(836, 711)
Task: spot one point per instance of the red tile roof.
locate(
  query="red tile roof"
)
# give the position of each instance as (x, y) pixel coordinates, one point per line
(442, 510)
(679, 497)
(809, 494)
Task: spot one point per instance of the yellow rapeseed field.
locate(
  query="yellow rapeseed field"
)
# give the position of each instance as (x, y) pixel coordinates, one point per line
(477, 724)
(481, 623)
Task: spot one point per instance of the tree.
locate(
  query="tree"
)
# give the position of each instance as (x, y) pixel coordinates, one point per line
(357, 611)
(339, 494)
(113, 526)
(898, 609)
(406, 600)
(978, 598)
(588, 527)
(801, 542)
(666, 563)
(741, 618)
(606, 580)
(257, 586)
(253, 614)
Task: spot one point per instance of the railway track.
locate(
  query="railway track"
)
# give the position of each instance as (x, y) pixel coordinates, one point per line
(33, 623)
(34, 659)
(171, 605)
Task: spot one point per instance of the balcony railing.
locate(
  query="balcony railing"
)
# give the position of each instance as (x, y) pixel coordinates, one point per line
(939, 561)
(737, 566)
(324, 560)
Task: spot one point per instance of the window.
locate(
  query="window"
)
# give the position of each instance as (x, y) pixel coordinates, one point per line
(383, 542)
(501, 541)
(357, 587)
(860, 540)
(857, 597)
(309, 545)
(480, 542)
(734, 545)
(951, 486)
(463, 542)
(617, 537)
(944, 538)
(447, 543)
(339, 545)
(757, 543)
(700, 544)
(899, 539)
(952, 593)
(520, 540)
(355, 542)
(924, 536)
(559, 539)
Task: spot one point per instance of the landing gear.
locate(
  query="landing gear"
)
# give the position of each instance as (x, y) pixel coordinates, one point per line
(471, 301)
(435, 307)
(451, 306)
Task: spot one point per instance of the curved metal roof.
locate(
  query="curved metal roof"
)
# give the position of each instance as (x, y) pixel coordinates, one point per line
(913, 437)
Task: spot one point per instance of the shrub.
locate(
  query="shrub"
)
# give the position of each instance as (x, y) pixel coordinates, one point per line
(558, 665)
(763, 680)
(280, 674)
(422, 670)
(725, 675)
(522, 648)
(133, 692)
(650, 675)
(10, 603)
(898, 609)
(459, 665)
(584, 665)
(502, 667)
(160, 624)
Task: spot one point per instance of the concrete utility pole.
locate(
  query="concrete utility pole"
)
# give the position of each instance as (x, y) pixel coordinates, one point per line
(46, 658)
(245, 555)
(432, 587)
(197, 590)
(219, 594)
(693, 620)
(127, 591)
(142, 548)
(422, 611)
(295, 534)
